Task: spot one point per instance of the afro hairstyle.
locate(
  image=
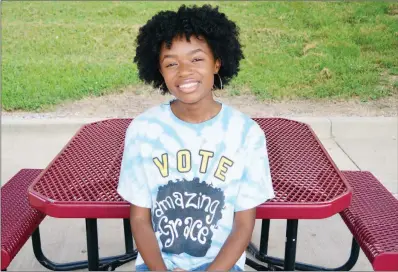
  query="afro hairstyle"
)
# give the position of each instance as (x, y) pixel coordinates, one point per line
(221, 34)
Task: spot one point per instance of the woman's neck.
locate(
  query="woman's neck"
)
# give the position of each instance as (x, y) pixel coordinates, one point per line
(198, 112)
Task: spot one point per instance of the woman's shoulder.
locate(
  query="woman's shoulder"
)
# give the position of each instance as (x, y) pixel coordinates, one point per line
(243, 120)
(235, 113)
(152, 112)
(144, 118)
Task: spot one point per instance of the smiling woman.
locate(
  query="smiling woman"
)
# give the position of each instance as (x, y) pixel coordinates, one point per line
(183, 53)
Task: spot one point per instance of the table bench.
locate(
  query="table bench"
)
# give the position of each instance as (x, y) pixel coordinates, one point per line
(372, 218)
(19, 222)
(18, 219)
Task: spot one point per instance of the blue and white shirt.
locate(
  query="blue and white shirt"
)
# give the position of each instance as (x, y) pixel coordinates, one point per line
(194, 177)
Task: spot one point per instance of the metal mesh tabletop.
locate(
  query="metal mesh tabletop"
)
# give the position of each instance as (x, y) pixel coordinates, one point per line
(81, 181)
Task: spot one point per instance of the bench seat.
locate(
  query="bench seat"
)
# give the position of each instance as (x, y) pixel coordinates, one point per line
(372, 218)
(18, 219)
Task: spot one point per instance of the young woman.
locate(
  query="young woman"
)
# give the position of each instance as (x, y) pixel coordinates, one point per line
(193, 169)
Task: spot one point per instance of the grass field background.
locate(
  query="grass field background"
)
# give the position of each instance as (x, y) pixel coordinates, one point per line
(59, 51)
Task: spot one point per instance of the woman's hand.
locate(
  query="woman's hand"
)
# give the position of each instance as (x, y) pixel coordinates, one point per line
(145, 239)
(237, 241)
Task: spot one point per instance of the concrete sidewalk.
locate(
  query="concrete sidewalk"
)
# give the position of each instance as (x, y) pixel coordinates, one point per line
(353, 143)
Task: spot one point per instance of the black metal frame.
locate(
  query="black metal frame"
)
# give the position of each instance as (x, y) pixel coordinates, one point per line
(93, 263)
(289, 263)
(268, 263)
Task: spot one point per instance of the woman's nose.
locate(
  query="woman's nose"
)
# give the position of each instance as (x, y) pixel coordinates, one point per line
(185, 69)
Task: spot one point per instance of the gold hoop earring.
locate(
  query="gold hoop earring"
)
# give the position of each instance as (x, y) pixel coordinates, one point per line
(160, 87)
(221, 87)
(219, 78)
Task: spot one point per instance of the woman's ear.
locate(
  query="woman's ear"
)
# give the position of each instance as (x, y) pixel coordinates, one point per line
(217, 66)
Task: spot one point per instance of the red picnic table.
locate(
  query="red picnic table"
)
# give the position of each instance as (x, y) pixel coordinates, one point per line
(81, 182)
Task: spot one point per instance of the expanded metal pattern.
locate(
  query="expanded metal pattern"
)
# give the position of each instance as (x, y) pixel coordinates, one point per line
(18, 219)
(81, 172)
(300, 170)
(88, 169)
(373, 222)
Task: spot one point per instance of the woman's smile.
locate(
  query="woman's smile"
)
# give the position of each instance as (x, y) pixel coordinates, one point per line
(188, 87)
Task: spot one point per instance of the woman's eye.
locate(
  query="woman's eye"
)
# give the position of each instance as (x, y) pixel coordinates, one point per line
(169, 65)
(197, 59)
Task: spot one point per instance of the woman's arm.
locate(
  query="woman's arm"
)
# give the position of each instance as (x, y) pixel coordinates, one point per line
(237, 241)
(145, 239)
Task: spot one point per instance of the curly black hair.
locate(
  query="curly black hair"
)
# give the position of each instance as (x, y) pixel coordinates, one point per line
(221, 34)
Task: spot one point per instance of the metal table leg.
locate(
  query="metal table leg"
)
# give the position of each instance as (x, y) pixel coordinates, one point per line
(93, 262)
(128, 236)
(264, 236)
(92, 244)
(290, 253)
(258, 254)
(290, 248)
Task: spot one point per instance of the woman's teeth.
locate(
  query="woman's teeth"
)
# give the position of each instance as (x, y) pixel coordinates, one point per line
(188, 85)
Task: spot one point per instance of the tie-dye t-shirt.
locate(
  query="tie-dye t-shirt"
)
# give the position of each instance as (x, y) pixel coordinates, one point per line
(194, 177)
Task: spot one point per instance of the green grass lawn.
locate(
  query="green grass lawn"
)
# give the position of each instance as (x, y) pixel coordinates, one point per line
(58, 51)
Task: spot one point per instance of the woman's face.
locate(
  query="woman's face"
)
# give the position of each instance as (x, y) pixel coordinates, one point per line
(188, 69)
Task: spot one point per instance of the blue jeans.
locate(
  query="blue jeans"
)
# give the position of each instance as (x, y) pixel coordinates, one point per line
(143, 267)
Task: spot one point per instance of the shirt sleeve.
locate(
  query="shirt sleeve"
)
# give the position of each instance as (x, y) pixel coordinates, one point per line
(256, 184)
(133, 184)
